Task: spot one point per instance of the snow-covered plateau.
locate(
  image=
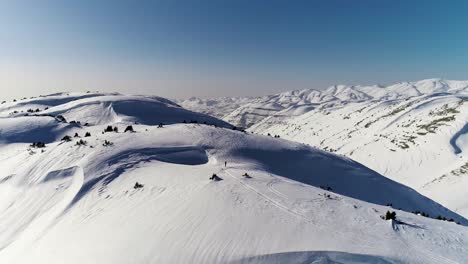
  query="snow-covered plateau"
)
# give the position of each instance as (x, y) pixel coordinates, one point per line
(109, 178)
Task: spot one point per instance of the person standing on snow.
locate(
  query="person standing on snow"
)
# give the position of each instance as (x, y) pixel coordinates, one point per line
(225, 164)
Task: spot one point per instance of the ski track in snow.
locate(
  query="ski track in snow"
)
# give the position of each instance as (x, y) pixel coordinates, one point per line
(423, 253)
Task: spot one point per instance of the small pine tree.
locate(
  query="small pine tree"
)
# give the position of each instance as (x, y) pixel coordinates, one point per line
(81, 143)
(109, 129)
(116, 129)
(138, 185)
(107, 143)
(129, 129)
(76, 135)
(87, 134)
(390, 215)
(66, 138)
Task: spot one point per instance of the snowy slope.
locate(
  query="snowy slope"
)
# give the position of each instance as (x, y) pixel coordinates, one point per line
(418, 140)
(69, 203)
(411, 132)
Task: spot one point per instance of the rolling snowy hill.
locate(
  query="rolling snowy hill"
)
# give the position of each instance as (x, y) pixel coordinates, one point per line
(412, 132)
(76, 199)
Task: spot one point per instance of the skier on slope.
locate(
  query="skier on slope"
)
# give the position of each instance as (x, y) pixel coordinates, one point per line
(225, 164)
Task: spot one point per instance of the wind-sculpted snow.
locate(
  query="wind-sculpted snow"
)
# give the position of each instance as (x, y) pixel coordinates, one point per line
(146, 196)
(315, 257)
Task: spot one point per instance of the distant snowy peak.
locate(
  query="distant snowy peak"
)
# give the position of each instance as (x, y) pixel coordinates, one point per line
(245, 111)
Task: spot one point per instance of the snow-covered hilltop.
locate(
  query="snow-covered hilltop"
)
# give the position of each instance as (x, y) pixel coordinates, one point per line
(109, 178)
(412, 132)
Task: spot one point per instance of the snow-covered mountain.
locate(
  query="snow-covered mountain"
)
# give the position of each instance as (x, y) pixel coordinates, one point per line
(411, 132)
(73, 189)
(245, 112)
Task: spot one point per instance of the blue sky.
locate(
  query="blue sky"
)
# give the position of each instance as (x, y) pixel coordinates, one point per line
(226, 47)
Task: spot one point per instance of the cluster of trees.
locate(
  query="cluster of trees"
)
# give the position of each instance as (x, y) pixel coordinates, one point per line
(81, 142)
(38, 145)
(111, 129)
(116, 129)
(275, 136)
(439, 217)
(33, 111)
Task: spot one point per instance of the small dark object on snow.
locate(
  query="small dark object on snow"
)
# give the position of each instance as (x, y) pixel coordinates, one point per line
(215, 177)
(107, 143)
(38, 145)
(81, 143)
(116, 129)
(390, 215)
(108, 129)
(138, 185)
(66, 138)
(328, 188)
(160, 125)
(61, 119)
(87, 134)
(76, 135)
(245, 175)
(129, 129)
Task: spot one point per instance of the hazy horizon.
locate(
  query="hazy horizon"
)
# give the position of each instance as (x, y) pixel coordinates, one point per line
(180, 49)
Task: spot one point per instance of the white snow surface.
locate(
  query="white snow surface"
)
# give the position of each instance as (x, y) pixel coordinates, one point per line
(69, 203)
(411, 132)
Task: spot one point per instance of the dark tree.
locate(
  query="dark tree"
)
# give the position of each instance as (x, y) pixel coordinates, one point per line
(138, 185)
(390, 215)
(109, 129)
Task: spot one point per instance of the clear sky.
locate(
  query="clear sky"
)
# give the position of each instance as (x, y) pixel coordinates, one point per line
(211, 48)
